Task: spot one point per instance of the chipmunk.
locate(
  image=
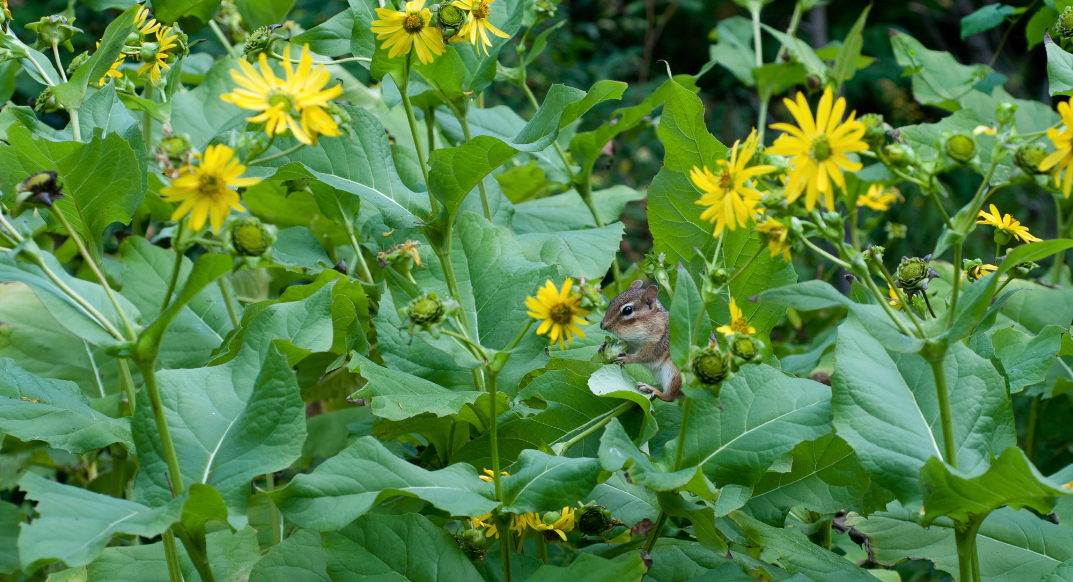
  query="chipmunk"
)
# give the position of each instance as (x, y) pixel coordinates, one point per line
(638, 318)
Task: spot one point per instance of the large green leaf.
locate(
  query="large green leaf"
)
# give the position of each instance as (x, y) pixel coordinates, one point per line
(618, 452)
(168, 11)
(230, 555)
(686, 312)
(984, 19)
(567, 211)
(407, 548)
(1010, 480)
(543, 482)
(10, 518)
(75, 524)
(1013, 546)
(686, 140)
(764, 414)
(886, 408)
(101, 179)
(628, 568)
(200, 114)
(264, 12)
(230, 423)
(54, 411)
(628, 502)
(581, 253)
(364, 474)
(1059, 67)
(938, 79)
(396, 395)
(1025, 359)
(798, 554)
(824, 476)
(72, 93)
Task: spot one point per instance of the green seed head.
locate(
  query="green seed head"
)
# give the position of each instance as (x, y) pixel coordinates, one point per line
(821, 149)
(258, 42)
(77, 62)
(1004, 112)
(745, 347)
(914, 273)
(1029, 156)
(451, 16)
(711, 366)
(247, 236)
(426, 310)
(594, 520)
(900, 154)
(960, 147)
(1063, 27)
(875, 130)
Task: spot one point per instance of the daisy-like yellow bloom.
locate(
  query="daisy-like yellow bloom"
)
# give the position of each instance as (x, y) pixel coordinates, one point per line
(731, 201)
(558, 527)
(166, 38)
(144, 21)
(978, 272)
(818, 148)
(1062, 157)
(879, 199)
(984, 130)
(402, 30)
(894, 301)
(489, 475)
(204, 191)
(283, 102)
(558, 312)
(778, 237)
(113, 72)
(476, 29)
(1006, 224)
(738, 323)
(518, 524)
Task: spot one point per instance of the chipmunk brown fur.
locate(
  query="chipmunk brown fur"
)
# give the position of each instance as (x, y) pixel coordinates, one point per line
(638, 318)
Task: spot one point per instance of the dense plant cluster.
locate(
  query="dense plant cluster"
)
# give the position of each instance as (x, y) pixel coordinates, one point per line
(260, 320)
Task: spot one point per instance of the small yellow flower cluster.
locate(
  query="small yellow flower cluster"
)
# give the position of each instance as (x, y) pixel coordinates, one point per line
(155, 59)
(411, 28)
(530, 521)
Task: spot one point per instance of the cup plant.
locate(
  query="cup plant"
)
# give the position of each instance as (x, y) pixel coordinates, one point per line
(264, 322)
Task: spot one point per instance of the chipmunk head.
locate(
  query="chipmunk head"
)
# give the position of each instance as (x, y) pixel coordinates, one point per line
(636, 315)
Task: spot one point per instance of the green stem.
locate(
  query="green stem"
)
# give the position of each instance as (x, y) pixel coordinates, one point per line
(126, 382)
(558, 148)
(938, 204)
(464, 122)
(505, 547)
(176, 268)
(854, 230)
(1030, 431)
(430, 127)
(613, 413)
(59, 63)
(171, 553)
(328, 62)
(452, 281)
(147, 118)
(1060, 256)
(754, 12)
(542, 548)
(494, 431)
(76, 126)
(654, 534)
(956, 285)
(745, 267)
(196, 551)
(223, 39)
(97, 273)
(946, 418)
(679, 450)
(229, 301)
(838, 262)
(966, 548)
(276, 155)
(998, 252)
(119, 466)
(152, 390)
(421, 159)
(275, 519)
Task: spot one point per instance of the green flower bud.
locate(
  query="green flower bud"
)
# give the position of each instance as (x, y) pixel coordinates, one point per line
(77, 62)
(46, 101)
(54, 30)
(960, 147)
(247, 236)
(181, 47)
(1023, 269)
(711, 367)
(451, 16)
(5, 16)
(474, 543)
(1063, 27)
(402, 257)
(610, 350)
(544, 9)
(40, 190)
(1004, 112)
(875, 253)
(342, 117)
(914, 273)
(591, 296)
(900, 154)
(875, 130)
(974, 269)
(425, 310)
(176, 145)
(745, 346)
(148, 52)
(655, 266)
(258, 42)
(1002, 237)
(593, 520)
(550, 517)
(1029, 156)
(895, 231)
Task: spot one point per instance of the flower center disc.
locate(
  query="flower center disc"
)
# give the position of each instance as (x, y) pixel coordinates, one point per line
(481, 10)
(740, 325)
(413, 24)
(212, 186)
(562, 314)
(283, 99)
(821, 150)
(725, 180)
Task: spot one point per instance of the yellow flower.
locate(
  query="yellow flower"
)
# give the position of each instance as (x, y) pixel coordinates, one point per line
(518, 524)
(979, 272)
(145, 23)
(558, 311)
(738, 322)
(1006, 224)
(408, 28)
(985, 130)
(559, 527)
(818, 148)
(489, 475)
(894, 302)
(166, 39)
(1062, 158)
(477, 27)
(204, 190)
(283, 101)
(778, 237)
(879, 199)
(730, 201)
(113, 72)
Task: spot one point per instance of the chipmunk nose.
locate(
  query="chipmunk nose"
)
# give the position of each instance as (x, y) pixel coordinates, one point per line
(602, 323)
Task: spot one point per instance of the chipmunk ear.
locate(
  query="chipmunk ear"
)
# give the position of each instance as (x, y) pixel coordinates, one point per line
(651, 294)
(636, 284)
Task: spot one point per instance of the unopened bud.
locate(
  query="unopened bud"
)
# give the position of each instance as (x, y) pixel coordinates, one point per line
(960, 147)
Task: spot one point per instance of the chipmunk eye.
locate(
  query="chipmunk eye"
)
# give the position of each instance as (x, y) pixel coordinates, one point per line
(627, 310)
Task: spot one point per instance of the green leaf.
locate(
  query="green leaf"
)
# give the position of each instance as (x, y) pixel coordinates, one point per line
(850, 51)
(686, 140)
(1038, 24)
(330, 38)
(938, 79)
(886, 408)
(259, 13)
(230, 555)
(734, 50)
(686, 311)
(1063, 573)
(1011, 480)
(798, 554)
(207, 269)
(54, 411)
(1026, 360)
(824, 477)
(72, 93)
(543, 482)
(619, 453)
(101, 179)
(764, 414)
(568, 212)
(168, 11)
(802, 51)
(582, 253)
(591, 568)
(10, 518)
(984, 19)
(364, 474)
(200, 114)
(396, 395)
(390, 547)
(75, 524)
(1013, 546)
(676, 560)
(229, 423)
(628, 502)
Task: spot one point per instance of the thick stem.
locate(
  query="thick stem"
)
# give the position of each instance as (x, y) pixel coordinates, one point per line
(758, 48)
(171, 553)
(229, 301)
(174, 473)
(147, 118)
(493, 431)
(173, 280)
(1030, 431)
(119, 466)
(276, 155)
(613, 413)
(275, 519)
(126, 382)
(505, 547)
(938, 370)
(452, 281)
(196, 551)
(966, 548)
(421, 159)
(76, 126)
(430, 128)
(59, 63)
(1060, 256)
(464, 122)
(223, 39)
(679, 450)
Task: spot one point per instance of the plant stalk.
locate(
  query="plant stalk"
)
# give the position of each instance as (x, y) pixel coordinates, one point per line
(126, 382)
(171, 554)
(229, 301)
(422, 161)
(222, 38)
(173, 280)
(275, 519)
(153, 391)
(464, 122)
(277, 155)
(679, 450)
(613, 413)
(147, 118)
(938, 369)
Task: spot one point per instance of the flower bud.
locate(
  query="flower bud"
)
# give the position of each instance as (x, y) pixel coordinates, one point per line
(960, 147)
(5, 16)
(1004, 112)
(425, 310)
(1063, 27)
(258, 42)
(474, 543)
(77, 62)
(875, 130)
(875, 253)
(54, 30)
(46, 101)
(402, 257)
(247, 236)
(895, 230)
(1029, 156)
(40, 190)
(176, 146)
(450, 16)
(341, 117)
(544, 9)
(655, 266)
(711, 367)
(593, 520)
(149, 51)
(1023, 269)
(591, 296)
(975, 269)
(550, 517)
(900, 154)
(914, 273)
(745, 347)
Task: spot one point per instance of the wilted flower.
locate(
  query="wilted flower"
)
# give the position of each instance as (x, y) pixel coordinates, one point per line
(975, 269)
(402, 257)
